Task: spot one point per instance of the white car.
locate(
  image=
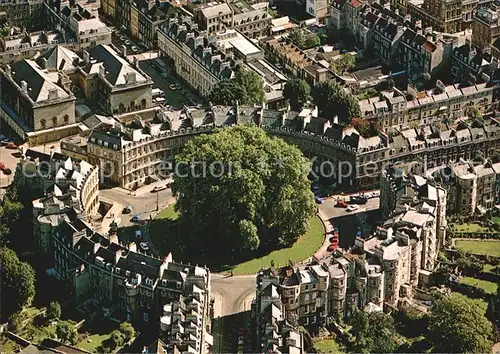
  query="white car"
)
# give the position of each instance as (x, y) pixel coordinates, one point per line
(144, 246)
(127, 42)
(369, 195)
(135, 49)
(352, 207)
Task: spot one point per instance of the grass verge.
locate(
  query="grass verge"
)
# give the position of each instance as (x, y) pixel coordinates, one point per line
(304, 247)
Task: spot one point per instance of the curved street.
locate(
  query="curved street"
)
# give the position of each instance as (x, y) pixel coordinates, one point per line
(232, 294)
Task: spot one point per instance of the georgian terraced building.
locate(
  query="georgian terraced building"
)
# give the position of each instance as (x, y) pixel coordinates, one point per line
(379, 272)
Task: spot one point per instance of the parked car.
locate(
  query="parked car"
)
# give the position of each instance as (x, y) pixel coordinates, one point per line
(135, 49)
(358, 199)
(127, 209)
(319, 200)
(352, 207)
(332, 248)
(127, 42)
(5, 169)
(164, 75)
(144, 246)
(158, 188)
(341, 204)
(173, 87)
(368, 195)
(138, 234)
(12, 146)
(136, 218)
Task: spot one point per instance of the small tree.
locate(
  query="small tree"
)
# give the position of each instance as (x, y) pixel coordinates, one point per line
(53, 311)
(298, 92)
(66, 332)
(127, 330)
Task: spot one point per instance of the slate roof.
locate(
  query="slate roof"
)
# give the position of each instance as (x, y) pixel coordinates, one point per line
(60, 58)
(39, 82)
(116, 67)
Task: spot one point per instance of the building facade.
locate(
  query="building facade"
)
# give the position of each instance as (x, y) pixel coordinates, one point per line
(39, 106)
(485, 26)
(378, 272)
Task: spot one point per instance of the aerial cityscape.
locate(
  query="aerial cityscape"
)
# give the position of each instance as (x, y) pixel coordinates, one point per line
(249, 176)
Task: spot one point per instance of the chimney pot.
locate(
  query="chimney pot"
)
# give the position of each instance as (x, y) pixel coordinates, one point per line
(24, 86)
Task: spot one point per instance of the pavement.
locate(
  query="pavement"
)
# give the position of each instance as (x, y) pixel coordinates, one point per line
(9, 158)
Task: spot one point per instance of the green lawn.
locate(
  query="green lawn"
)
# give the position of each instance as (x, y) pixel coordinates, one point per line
(491, 248)
(483, 305)
(93, 342)
(496, 219)
(470, 228)
(326, 346)
(32, 311)
(168, 213)
(305, 246)
(489, 268)
(487, 286)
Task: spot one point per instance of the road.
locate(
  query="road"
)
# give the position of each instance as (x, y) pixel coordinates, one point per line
(143, 204)
(10, 158)
(175, 98)
(232, 294)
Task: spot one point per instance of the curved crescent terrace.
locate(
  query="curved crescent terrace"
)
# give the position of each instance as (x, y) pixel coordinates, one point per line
(140, 144)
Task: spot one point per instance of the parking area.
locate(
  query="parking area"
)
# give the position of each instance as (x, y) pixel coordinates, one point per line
(177, 94)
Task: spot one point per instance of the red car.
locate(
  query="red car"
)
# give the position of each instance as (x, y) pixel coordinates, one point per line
(332, 248)
(341, 204)
(12, 146)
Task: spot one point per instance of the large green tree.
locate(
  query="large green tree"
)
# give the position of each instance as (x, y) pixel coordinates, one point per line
(298, 92)
(333, 100)
(247, 87)
(242, 189)
(457, 325)
(66, 332)
(10, 207)
(304, 39)
(374, 332)
(18, 283)
(345, 63)
(53, 311)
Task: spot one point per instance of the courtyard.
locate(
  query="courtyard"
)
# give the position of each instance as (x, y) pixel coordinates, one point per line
(166, 235)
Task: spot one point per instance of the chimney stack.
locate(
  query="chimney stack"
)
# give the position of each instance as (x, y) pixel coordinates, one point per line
(24, 86)
(86, 57)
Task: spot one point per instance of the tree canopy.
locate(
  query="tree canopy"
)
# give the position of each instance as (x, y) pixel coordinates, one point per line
(298, 92)
(374, 332)
(333, 100)
(66, 332)
(254, 192)
(303, 39)
(345, 63)
(456, 325)
(10, 208)
(18, 283)
(246, 87)
(53, 311)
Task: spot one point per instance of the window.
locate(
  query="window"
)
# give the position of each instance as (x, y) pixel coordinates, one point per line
(146, 317)
(43, 123)
(66, 118)
(54, 120)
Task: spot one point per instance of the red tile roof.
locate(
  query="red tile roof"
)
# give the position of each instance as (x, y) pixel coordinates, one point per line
(428, 46)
